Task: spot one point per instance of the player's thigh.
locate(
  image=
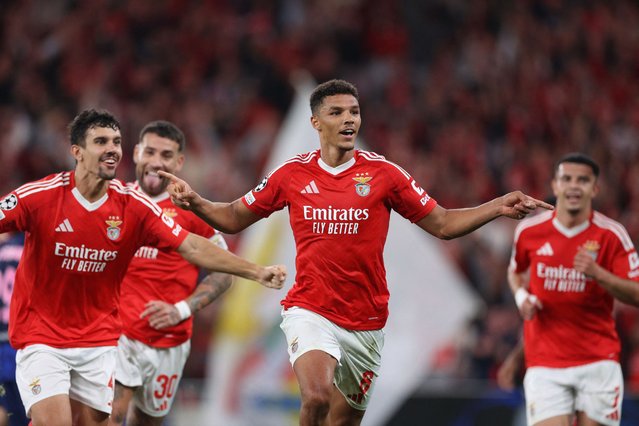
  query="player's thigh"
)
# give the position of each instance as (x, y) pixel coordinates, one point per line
(93, 377)
(564, 420)
(52, 411)
(315, 372)
(162, 371)
(549, 393)
(138, 417)
(42, 374)
(341, 413)
(600, 392)
(359, 368)
(88, 416)
(307, 331)
(121, 400)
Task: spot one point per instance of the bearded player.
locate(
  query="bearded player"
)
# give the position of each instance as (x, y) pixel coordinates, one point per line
(567, 267)
(82, 229)
(159, 293)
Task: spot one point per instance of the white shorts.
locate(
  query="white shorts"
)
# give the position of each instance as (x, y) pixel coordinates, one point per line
(596, 389)
(154, 372)
(85, 374)
(358, 353)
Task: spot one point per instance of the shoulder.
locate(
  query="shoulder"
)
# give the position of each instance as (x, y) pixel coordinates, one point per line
(530, 224)
(298, 161)
(47, 186)
(617, 229)
(132, 196)
(380, 162)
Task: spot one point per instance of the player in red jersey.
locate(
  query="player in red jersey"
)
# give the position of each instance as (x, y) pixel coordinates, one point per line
(567, 268)
(160, 293)
(339, 201)
(82, 229)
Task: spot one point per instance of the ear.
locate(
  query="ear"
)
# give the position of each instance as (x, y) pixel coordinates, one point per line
(315, 122)
(136, 151)
(76, 152)
(180, 162)
(595, 189)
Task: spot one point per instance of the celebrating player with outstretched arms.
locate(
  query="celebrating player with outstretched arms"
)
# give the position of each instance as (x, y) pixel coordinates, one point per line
(339, 201)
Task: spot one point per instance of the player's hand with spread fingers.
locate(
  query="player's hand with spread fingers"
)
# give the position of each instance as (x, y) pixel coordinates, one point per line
(517, 205)
(273, 276)
(181, 192)
(161, 314)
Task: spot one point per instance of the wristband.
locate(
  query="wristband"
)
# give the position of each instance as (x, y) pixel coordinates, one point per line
(183, 309)
(520, 296)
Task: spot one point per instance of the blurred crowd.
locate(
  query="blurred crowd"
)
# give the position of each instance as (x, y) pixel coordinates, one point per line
(474, 98)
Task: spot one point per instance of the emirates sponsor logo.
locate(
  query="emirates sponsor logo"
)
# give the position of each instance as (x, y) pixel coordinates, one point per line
(335, 221)
(83, 258)
(562, 279)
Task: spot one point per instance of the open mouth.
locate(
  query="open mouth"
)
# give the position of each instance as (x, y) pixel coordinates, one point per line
(347, 132)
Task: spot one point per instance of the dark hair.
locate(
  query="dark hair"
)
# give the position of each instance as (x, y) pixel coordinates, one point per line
(165, 129)
(579, 158)
(89, 119)
(330, 88)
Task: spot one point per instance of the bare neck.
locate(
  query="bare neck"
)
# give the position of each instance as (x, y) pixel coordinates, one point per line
(570, 220)
(91, 186)
(334, 156)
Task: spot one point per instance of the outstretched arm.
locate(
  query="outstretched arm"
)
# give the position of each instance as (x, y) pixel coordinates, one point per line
(627, 291)
(453, 223)
(205, 254)
(162, 314)
(229, 218)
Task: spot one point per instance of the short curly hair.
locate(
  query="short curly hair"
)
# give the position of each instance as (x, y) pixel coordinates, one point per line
(89, 119)
(331, 88)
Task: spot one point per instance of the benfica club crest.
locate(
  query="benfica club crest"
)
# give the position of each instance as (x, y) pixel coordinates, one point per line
(113, 230)
(362, 187)
(35, 386)
(592, 247)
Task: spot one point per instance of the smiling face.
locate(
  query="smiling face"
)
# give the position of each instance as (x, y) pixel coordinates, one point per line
(154, 153)
(574, 185)
(101, 153)
(338, 121)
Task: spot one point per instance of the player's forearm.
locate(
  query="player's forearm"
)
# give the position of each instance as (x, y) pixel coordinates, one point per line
(626, 291)
(459, 222)
(203, 253)
(209, 289)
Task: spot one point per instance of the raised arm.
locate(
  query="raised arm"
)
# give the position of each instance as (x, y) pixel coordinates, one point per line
(625, 290)
(453, 223)
(229, 218)
(205, 254)
(162, 314)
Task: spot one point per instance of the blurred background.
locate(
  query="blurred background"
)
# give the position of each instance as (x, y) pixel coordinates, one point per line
(473, 98)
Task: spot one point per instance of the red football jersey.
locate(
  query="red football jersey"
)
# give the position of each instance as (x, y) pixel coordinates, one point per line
(339, 218)
(162, 275)
(76, 253)
(576, 325)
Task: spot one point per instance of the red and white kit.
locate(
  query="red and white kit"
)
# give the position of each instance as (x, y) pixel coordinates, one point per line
(76, 253)
(340, 218)
(155, 274)
(576, 325)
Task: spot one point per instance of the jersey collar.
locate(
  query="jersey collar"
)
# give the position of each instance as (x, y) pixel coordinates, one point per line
(570, 232)
(336, 170)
